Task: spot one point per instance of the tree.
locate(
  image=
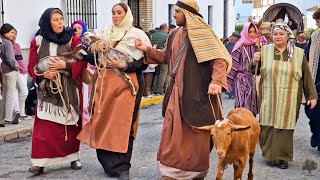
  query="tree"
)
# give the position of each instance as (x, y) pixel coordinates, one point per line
(239, 27)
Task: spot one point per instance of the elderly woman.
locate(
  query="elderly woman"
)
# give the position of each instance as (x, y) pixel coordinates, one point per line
(111, 129)
(284, 74)
(54, 135)
(241, 74)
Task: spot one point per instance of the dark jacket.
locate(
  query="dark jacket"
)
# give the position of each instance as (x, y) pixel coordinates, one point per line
(9, 63)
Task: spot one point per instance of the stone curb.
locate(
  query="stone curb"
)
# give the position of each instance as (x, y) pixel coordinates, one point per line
(26, 130)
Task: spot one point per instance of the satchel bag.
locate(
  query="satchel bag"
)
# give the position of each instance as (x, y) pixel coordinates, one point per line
(172, 76)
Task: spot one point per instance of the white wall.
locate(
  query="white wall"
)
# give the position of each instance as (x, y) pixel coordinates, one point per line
(24, 16)
(104, 11)
(160, 13)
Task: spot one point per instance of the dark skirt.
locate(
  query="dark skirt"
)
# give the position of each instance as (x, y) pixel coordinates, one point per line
(276, 144)
(114, 162)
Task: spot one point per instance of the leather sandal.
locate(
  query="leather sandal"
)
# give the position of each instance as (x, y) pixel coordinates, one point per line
(76, 165)
(36, 170)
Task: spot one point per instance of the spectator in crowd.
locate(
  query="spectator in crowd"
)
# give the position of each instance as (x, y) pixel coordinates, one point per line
(232, 40)
(57, 121)
(302, 40)
(21, 92)
(159, 39)
(10, 71)
(171, 27)
(81, 27)
(313, 56)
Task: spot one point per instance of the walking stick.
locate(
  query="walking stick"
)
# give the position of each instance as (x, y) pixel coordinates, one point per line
(254, 91)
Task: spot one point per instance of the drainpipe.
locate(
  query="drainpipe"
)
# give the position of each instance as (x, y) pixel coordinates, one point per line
(2, 12)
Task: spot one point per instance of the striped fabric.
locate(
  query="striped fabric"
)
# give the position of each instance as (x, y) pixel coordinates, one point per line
(205, 42)
(242, 79)
(280, 88)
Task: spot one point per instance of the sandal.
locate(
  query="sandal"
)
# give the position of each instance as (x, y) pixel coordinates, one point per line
(76, 165)
(36, 170)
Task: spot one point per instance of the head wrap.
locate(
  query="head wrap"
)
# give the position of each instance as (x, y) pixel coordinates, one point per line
(290, 43)
(83, 24)
(46, 29)
(245, 40)
(236, 34)
(127, 34)
(204, 41)
(5, 28)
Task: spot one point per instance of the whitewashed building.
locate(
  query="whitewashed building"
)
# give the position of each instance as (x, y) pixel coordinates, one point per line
(24, 14)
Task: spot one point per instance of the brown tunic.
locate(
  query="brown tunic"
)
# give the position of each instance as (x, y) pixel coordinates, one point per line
(110, 126)
(181, 147)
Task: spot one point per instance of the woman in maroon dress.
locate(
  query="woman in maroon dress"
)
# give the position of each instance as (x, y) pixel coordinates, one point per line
(57, 116)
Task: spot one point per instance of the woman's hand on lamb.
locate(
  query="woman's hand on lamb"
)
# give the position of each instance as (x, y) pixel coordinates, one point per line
(50, 74)
(57, 64)
(114, 63)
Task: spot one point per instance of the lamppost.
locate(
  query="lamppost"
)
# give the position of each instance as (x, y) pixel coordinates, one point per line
(237, 18)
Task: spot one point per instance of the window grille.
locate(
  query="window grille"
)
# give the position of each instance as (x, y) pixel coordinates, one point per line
(135, 9)
(85, 10)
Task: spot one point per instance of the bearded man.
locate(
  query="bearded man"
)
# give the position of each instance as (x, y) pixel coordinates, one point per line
(202, 67)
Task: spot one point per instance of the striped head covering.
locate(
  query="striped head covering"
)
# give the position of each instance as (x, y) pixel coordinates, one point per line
(204, 41)
(291, 38)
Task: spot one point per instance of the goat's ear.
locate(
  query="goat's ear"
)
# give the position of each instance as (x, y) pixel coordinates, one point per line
(206, 128)
(239, 127)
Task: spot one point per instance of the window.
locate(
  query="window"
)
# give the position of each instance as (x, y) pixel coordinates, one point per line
(85, 10)
(171, 20)
(210, 15)
(134, 6)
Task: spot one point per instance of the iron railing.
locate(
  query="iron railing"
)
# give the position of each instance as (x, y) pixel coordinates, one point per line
(85, 10)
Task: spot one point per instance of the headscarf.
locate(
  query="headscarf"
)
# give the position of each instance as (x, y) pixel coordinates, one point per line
(204, 41)
(291, 38)
(127, 34)
(245, 40)
(83, 24)
(47, 32)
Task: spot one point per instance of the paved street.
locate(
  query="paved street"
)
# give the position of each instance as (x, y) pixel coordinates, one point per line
(15, 155)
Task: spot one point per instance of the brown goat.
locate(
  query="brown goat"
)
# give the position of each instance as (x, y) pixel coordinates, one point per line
(235, 138)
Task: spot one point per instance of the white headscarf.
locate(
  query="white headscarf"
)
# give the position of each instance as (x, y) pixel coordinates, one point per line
(286, 28)
(127, 34)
